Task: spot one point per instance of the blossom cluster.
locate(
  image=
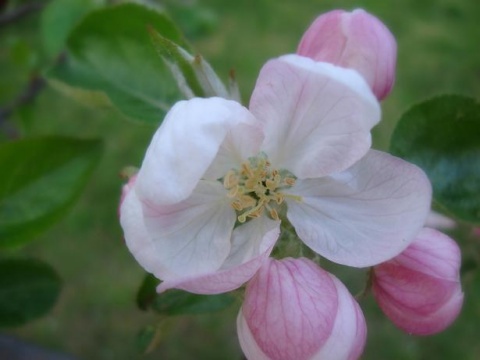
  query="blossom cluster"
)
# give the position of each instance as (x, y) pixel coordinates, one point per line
(220, 182)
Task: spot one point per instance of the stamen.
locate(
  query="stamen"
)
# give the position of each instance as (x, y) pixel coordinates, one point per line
(256, 189)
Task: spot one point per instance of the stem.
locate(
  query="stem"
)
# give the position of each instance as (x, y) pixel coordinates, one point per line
(20, 12)
(368, 285)
(35, 85)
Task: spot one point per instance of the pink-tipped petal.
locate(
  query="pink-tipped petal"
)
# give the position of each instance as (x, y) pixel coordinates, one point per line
(184, 147)
(354, 40)
(316, 117)
(252, 243)
(293, 310)
(349, 328)
(420, 289)
(365, 215)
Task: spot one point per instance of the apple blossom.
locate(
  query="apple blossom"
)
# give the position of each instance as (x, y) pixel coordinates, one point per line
(354, 40)
(218, 179)
(295, 310)
(420, 290)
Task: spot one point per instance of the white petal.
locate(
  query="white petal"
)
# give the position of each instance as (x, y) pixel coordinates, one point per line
(242, 142)
(251, 239)
(184, 147)
(365, 215)
(193, 236)
(137, 238)
(317, 117)
(252, 243)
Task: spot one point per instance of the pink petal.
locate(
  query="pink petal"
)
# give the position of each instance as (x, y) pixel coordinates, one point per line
(295, 310)
(364, 215)
(252, 243)
(349, 333)
(420, 289)
(432, 253)
(184, 147)
(193, 236)
(355, 40)
(316, 117)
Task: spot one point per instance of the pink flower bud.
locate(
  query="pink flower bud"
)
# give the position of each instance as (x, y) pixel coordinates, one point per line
(354, 40)
(420, 290)
(294, 310)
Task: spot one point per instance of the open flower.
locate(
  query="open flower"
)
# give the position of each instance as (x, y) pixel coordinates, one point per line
(295, 310)
(356, 40)
(420, 290)
(217, 179)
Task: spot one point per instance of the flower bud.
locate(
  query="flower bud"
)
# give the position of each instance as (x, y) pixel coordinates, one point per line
(420, 290)
(440, 222)
(295, 310)
(354, 40)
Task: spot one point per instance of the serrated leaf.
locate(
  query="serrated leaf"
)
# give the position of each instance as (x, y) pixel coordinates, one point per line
(40, 179)
(110, 52)
(28, 290)
(442, 136)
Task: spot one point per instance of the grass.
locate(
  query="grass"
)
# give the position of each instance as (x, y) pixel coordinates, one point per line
(96, 317)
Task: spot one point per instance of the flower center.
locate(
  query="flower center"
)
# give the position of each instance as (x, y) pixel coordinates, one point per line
(255, 188)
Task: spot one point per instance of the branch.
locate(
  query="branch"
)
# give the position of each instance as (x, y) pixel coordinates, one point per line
(20, 12)
(35, 85)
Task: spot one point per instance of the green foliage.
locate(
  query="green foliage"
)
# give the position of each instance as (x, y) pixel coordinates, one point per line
(28, 290)
(146, 293)
(41, 178)
(147, 339)
(110, 54)
(178, 302)
(58, 18)
(176, 56)
(442, 136)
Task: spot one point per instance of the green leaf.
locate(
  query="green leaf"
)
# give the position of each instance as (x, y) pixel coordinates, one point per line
(58, 19)
(147, 292)
(28, 290)
(178, 302)
(110, 52)
(40, 179)
(442, 136)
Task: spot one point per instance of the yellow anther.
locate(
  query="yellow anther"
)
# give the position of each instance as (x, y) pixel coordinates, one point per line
(233, 191)
(251, 183)
(271, 184)
(230, 180)
(273, 214)
(254, 187)
(289, 181)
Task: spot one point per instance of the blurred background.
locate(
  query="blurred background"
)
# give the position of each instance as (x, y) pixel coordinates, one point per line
(96, 316)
